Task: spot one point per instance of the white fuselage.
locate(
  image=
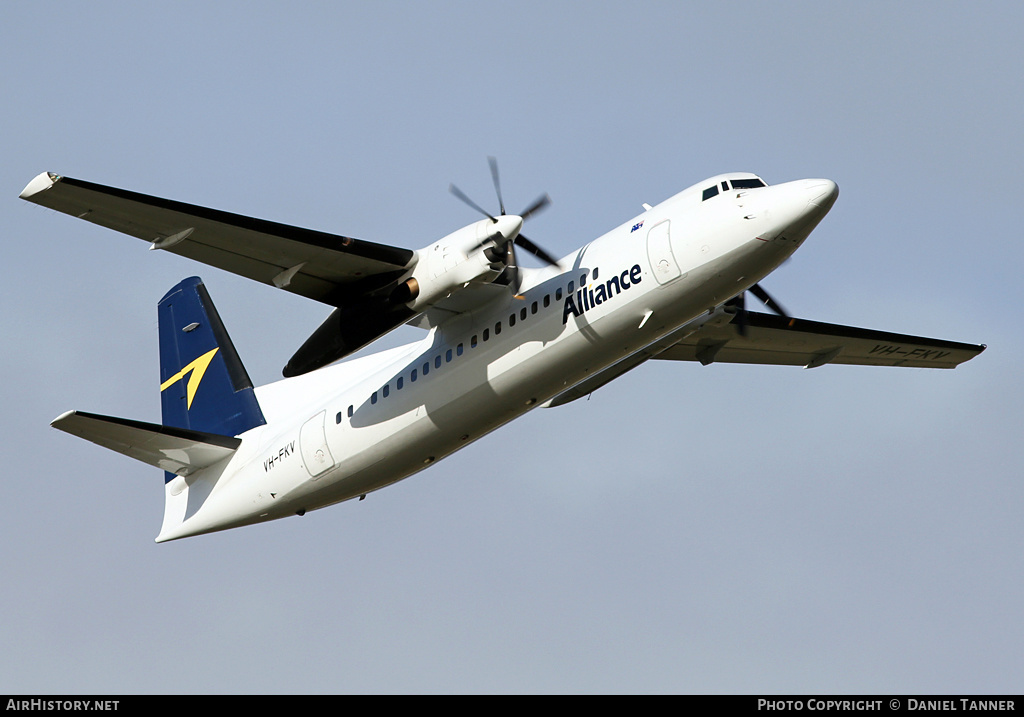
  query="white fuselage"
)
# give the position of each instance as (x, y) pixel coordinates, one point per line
(348, 429)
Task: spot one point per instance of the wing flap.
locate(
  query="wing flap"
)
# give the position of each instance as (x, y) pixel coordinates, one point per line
(316, 264)
(772, 339)
(176, 450)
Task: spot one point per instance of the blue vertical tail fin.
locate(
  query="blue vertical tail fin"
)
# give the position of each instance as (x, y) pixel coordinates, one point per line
(203, 385)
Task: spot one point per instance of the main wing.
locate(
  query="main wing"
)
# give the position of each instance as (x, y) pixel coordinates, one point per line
(771, 339)
(326, 267)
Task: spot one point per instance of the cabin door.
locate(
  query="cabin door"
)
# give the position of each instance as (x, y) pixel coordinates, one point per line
(659, 252)
(313, 444)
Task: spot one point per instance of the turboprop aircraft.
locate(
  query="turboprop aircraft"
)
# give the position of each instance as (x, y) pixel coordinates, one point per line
(501, 339)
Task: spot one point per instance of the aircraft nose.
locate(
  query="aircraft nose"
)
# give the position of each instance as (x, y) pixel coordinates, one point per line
(796, 209)
(822, 193)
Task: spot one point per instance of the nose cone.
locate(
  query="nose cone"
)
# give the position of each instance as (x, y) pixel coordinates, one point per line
(822, 193)
(509, 226)
(795, 208)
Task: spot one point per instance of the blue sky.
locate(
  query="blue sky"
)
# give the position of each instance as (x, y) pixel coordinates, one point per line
(687, 529)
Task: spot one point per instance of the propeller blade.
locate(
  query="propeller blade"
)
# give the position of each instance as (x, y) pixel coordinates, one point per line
(539, 204)
(495, 239)
(459, 193)
(768, 301)
(510, 275)
(497, 185)
(535, 250)
(741, 324)
(513, 279)
(740, 302)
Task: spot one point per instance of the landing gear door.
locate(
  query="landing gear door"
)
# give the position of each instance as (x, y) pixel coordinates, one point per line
(313, 444)
(659, 252)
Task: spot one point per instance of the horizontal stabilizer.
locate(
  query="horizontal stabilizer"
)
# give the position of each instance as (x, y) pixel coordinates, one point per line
(176, 450)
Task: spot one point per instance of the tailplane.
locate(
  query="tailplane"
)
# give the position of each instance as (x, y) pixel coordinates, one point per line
(207, 401)
(176, 450)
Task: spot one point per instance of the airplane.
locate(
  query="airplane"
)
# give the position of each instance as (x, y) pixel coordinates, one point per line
(501, 339)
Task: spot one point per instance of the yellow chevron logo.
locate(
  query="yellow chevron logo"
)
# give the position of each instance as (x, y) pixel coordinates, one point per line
(197, 368)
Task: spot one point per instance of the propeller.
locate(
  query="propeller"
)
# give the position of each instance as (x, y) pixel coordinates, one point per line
(766, 298)
(461, 195)
(739, 302)
(507, 248)
(497, 184)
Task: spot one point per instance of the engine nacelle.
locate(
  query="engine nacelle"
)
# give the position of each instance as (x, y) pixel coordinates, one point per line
(471, 254)
(474, 254)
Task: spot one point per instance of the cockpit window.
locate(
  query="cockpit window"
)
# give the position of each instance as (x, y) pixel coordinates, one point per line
(747, 183)
(710, 192)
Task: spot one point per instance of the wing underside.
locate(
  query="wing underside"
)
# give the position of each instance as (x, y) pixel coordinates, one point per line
(777, 340)
(771, 339)
(326, 267)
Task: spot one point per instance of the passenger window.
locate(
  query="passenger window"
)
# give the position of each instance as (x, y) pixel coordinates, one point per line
(533, 308)
(558, 294)
(350, 410)
(437, 362)
(522, 313)
(448, 355)
(458, 350)
(413, 376)
(487, 334)
(387, 390)
(337, 419)
(472, 342)
(398, 384)
(373, 398)
(497, 328)
(511, 320)
(547, 300)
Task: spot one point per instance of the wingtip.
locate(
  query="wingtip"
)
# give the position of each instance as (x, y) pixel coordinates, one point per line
(41, 183)
(61, 418)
